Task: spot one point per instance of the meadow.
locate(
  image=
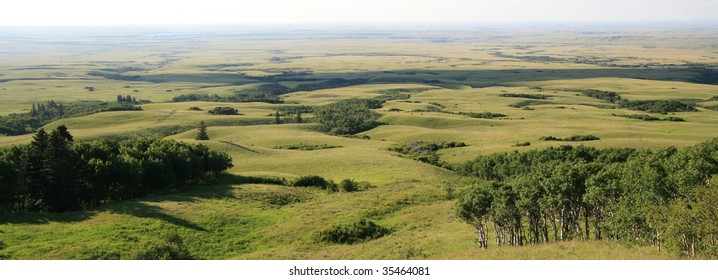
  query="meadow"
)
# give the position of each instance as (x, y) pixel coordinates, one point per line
(444, 72)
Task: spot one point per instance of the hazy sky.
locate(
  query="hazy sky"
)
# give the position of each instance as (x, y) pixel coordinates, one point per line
(91, 12)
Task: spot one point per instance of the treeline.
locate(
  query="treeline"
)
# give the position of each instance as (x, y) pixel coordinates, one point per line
(664, 197)
(333, 83)
(43, 113)
(525, 95)
(56, 174)
(572, 138)
(650, 118)
(658, 106)
(113, 76)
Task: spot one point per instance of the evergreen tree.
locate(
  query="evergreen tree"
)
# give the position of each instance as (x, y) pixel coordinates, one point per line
(299, 117)
(202, 134)
(61, 192)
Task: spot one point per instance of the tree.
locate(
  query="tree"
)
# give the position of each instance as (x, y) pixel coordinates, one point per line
(474, 207)
(202, 134)
(299, 117)
(60, 170)
(277, 120)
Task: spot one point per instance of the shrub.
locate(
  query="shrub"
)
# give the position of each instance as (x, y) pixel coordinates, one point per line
(522, 144)
(314, 181)
(223, 111)
(675, 119)
(348, 185)
(353, 233)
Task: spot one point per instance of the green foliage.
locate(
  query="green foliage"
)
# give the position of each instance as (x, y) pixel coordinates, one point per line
(425, 151)
(640, 117)
(661, 197)
(332, 83)
(348, 116)
(55, 174)
(526, 103)
(202, 132)
(268, 93)
(609, 96)
(357, 232)
(223, 111)
(658, 106)
(195, 108)
(522, 144)
(314, 181)
(525, 95)
(45, 112)
(484, 115)
(573, 138)
(675, 119)
(307, 147)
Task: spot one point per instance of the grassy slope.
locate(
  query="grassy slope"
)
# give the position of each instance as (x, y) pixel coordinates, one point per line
(222, 221)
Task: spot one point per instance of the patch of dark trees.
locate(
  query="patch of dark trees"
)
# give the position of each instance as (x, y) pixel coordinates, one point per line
(425, 151)
(306, 147)
(658, 106)
(664, 197)
(524, 104)
(525, 95)
(54, 173)
(223, 111)
(352, 233)
(646, 117)
(346, 185)
(113, 76)
(573, 138)
(609, 96)
(348, 116)
(43, 113)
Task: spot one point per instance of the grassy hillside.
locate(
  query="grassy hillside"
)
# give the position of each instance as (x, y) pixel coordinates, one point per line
(467, 73)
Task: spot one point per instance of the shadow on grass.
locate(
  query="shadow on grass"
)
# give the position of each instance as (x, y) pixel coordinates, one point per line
(220, 187)
(142, 209)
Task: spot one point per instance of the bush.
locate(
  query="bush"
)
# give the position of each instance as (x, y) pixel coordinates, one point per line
(675, 119)
(522, 144)
(353, 233)
(314, 181)
(223, 111)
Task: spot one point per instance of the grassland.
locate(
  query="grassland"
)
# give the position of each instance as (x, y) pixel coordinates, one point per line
(464, 71)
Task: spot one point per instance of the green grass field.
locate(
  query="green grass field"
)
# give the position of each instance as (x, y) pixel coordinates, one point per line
(416, 201)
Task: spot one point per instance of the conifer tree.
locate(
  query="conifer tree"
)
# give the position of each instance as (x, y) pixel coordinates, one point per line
(202, 134)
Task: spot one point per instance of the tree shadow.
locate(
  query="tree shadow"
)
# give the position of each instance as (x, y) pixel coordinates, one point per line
(141, 209)
(216, 188)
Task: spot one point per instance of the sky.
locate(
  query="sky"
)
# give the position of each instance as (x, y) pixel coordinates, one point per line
(170, 12)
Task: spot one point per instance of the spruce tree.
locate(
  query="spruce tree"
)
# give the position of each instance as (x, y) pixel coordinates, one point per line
(202, 134)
